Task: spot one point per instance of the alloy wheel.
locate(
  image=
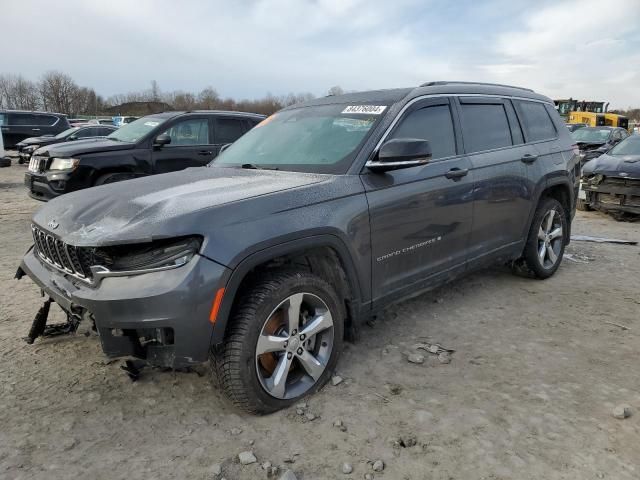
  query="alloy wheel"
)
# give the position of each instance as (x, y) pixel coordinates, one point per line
(294, 346)
(550, 238)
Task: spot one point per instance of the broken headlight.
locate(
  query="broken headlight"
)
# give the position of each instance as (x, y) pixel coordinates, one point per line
(161, 254)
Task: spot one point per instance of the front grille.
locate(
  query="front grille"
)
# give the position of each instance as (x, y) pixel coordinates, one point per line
(38, 164)
(622, 182)
(73, 260)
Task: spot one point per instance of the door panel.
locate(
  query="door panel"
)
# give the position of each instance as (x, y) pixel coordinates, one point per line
(420, 219)
(190, 146)
(502, 194)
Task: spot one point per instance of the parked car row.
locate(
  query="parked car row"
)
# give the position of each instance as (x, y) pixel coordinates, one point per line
(312, 221)
(160, 143)
(27, 146)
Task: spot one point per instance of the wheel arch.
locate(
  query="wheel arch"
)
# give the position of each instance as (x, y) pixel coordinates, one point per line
(559, 188)
(318, 253)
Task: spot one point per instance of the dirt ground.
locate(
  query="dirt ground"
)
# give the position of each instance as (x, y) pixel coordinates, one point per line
(528, 394)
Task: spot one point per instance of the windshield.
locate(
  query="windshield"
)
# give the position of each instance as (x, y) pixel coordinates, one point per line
(66, 132)
(591, 135)
(629, 146)
(134, 131)
(322, 139)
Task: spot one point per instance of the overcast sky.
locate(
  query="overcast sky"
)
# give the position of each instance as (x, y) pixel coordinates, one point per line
(587, 49)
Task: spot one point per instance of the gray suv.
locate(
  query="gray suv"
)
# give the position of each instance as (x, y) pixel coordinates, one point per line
(323, 214)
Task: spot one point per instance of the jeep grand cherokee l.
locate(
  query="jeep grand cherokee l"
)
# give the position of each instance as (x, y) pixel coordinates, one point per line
(159, 143)
(321, 215)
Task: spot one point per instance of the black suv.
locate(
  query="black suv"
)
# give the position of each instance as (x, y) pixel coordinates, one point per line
(17, 125)
(29, 145)
(159, 143)
(320, 216)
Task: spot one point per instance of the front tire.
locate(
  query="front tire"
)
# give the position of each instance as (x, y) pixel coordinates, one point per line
(282, 343)
(547, 238)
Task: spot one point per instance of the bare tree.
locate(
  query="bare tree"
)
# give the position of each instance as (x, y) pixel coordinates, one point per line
(58, 90)
(335, 90)
(155, 91)
(208, 99)
(18, 93)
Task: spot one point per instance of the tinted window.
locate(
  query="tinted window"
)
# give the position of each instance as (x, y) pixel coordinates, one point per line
(44, 120)
(433, 124)
(194, 131)
(85, 132)
(484, 127)
(228, 130)
(536, 121)
(21, 119)
(3, 119)
(103, 132)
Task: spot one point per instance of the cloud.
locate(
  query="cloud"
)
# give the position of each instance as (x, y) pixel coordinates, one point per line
(583, 49)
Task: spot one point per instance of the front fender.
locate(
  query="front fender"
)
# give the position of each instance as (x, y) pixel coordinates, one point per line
(248, 263)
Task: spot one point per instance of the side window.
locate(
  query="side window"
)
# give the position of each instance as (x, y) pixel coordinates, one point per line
(22, 119)
(44, 120)
(103, 132)
(228, 130)
(484, 126)
(83, 133)
(430, 123)
(194, 131)
(535, 120)
(3, 119)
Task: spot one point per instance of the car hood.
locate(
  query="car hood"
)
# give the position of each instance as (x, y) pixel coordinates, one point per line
(625, 166)
(196, 201)
(37, 140)
(90, 145)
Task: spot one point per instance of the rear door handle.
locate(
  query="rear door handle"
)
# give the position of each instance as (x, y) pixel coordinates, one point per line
(456, 173)
(205, 152)
(35, 129)
(528, 158)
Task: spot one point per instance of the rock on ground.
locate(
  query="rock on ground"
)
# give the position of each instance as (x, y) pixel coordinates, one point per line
(247, 458)
(622, 411)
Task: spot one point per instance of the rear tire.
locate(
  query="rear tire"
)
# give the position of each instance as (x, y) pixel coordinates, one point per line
(547, 239)
(266, 335)
(5, 162)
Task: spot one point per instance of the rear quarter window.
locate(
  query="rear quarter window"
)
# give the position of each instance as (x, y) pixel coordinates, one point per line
(535, 120)
(484, 127)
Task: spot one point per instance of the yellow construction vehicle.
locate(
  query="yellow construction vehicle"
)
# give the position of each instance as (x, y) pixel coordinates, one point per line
(615, 120)
(592, 119)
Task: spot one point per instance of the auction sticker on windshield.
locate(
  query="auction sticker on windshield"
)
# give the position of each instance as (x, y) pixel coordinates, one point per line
(368, 109)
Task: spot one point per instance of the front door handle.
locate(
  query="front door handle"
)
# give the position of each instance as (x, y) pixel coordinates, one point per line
(456, 173)
(205, 152)
(528, 158)
(35, 129)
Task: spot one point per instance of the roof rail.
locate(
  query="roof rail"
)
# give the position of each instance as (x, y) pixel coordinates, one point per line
(432, 84)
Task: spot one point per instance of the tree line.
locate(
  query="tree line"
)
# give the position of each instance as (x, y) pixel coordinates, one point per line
(58, 92)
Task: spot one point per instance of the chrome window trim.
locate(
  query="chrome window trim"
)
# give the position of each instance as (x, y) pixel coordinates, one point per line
(411, 102)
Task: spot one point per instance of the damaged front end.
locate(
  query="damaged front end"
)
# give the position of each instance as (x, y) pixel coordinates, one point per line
(612, 184)
(144, 300)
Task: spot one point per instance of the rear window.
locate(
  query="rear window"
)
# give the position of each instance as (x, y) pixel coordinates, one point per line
(536, 122)
(228, 130)
(484, 127)
(45, 120)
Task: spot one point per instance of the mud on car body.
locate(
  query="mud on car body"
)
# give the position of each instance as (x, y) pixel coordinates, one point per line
(611, 182)
(320, 216)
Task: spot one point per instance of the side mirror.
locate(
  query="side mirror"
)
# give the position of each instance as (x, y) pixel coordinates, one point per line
(401, 153)
(161, 140)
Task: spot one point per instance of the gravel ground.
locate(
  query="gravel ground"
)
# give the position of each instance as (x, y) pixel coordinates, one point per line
(529, 392)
